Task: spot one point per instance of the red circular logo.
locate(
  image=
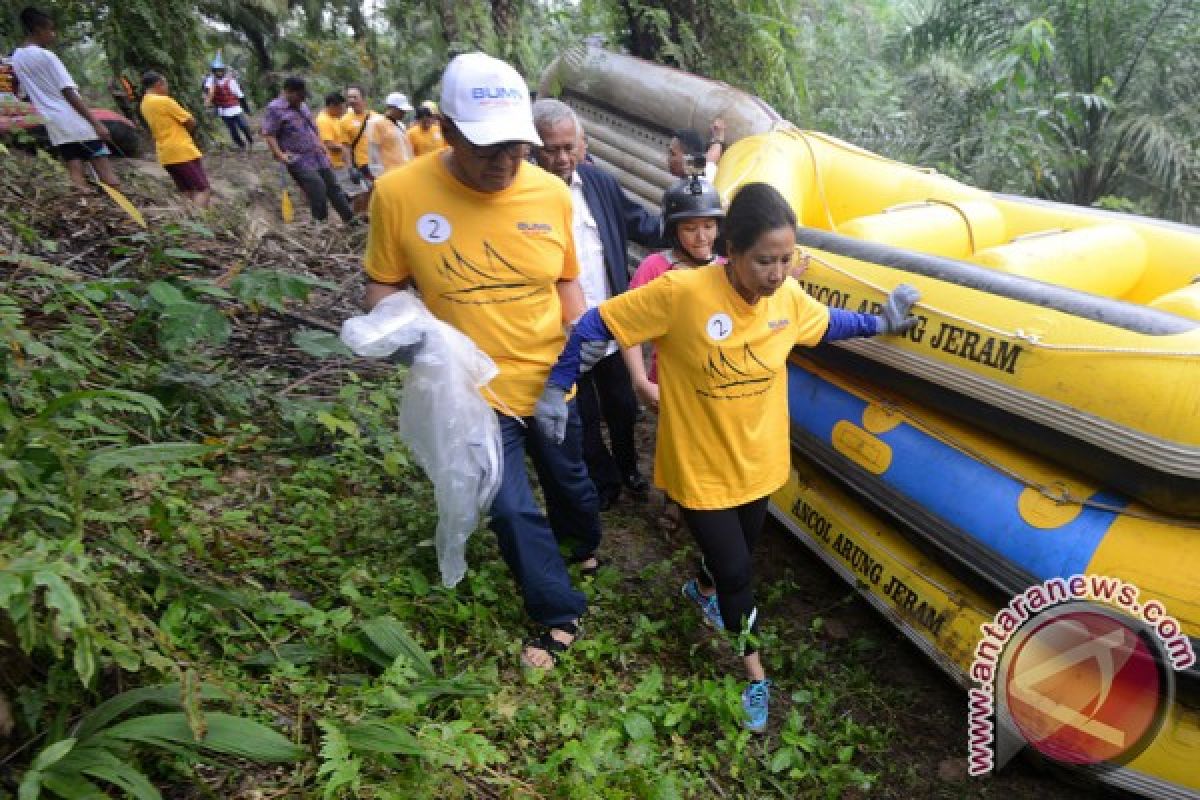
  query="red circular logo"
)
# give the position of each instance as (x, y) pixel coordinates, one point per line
(1084, 686)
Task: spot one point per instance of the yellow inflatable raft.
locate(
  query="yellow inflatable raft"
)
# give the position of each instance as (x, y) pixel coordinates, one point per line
(1073, 331)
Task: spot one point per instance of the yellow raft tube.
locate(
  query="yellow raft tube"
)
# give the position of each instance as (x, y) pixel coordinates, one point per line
(1074, 331)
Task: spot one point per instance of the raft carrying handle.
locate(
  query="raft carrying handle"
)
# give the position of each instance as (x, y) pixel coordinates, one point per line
(933, 201)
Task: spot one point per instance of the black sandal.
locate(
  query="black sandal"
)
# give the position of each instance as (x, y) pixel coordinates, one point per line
(546, 642)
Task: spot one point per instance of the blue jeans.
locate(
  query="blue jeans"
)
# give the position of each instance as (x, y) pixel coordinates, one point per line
(528, 538)
(238, 127)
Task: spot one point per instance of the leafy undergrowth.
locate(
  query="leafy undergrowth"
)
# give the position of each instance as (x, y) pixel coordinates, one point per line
(218, 575)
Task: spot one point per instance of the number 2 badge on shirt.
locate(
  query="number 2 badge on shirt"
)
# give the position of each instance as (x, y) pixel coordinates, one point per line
(433, 228)
(718, 327)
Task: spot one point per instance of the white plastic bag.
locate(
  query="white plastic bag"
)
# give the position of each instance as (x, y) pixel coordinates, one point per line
(450, 429)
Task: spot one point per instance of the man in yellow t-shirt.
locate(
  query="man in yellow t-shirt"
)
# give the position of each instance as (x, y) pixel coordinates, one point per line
(329, 130)
(426, 136)
(486, 239)
(171, 126)
(387, 145)
(353, 129)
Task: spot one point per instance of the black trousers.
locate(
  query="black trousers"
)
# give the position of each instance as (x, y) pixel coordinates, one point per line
(727, 537)
(321, 188)
(238, 127)
(605, 392)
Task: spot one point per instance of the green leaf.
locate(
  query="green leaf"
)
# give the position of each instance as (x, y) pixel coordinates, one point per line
(169, 695)
(184, 324)
(142, 455)
(121, 400)
(394, 640)
(102, 764)
(781, 760)
(270, 288)
(62, 599)
(288, 653)
(638, 727)
(182, 254)
(227, 735)
(72, 785)
(380, 737)
(166, 294)
(319, 344)
(8, 502)
(52, 754)
(84, 657)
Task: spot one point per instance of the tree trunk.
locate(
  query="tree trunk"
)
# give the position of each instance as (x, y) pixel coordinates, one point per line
(642, 42)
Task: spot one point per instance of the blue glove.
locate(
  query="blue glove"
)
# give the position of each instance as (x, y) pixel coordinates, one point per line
(550, 413)
(406, 354)
(897, 310)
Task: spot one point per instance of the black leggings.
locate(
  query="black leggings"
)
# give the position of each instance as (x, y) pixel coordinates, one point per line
(727, 538)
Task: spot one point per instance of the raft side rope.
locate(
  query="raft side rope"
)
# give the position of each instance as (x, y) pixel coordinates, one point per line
(1032, 339)
(1056, 492)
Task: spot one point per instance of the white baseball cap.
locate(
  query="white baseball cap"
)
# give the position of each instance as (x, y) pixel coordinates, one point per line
(398, 100)
(487, 100)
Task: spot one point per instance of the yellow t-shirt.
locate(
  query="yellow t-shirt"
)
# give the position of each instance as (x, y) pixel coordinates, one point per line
(391, 141)
(487, 263)
(329, 131)
(426, 141)
(723, 432)
(348, 126)
(165, 118)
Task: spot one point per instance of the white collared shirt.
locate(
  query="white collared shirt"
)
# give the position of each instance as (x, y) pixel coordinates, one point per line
(589, 250)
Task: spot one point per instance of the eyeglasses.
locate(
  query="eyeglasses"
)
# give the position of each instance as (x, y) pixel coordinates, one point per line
(490, 152)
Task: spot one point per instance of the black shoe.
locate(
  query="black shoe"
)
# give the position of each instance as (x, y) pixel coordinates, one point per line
(636, 484)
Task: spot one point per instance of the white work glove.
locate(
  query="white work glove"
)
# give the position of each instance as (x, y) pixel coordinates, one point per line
(550, 413)
(897, 310)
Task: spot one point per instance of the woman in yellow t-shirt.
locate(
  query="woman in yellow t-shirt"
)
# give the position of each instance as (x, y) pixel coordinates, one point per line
(172, 128)
(723, 334)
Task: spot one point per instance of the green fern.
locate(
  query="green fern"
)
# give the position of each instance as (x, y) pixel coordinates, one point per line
(340, 768)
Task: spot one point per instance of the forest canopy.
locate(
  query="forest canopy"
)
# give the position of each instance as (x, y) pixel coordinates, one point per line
(1081, 101)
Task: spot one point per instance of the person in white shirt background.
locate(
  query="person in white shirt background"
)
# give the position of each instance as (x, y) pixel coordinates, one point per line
(223, 92)
(76, 135)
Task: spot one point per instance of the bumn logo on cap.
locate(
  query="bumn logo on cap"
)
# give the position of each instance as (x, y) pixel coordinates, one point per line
(496, 92)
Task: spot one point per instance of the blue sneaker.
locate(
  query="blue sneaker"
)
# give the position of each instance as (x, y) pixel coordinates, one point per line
(755, 700)
(708, 605)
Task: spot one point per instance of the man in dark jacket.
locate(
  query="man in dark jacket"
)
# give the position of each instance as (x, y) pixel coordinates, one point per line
(604, 220)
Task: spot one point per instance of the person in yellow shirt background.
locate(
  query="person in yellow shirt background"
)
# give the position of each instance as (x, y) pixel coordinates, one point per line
(171, 125)
(330, 131)
(426, 136)
(353, 129)
(724, 333)
(387, 144)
